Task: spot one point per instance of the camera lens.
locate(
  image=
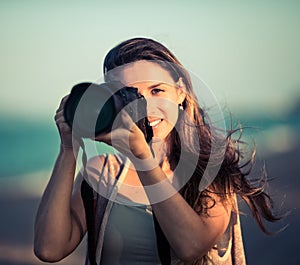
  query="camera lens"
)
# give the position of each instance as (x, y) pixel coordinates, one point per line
(82, 109)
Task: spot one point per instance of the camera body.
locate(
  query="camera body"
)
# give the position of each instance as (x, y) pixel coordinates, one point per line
(91, 109)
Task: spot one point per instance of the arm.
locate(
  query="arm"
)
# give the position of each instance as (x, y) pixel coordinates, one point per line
(60, 219)
(190, 235)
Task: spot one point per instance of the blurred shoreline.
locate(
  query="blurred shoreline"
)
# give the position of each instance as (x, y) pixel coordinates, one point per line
(19, 200)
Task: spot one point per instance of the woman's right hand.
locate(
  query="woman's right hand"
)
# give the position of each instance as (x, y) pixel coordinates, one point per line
(68, 141)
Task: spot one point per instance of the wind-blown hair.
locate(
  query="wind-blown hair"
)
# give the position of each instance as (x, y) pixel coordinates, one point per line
(232, 177)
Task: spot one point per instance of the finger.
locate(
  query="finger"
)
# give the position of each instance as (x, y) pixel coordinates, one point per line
(59, 113)
(64, 128)
(65, 98)
(62, 103)
(60, 119)
(104, 137)
(126, 120)
(60, 110)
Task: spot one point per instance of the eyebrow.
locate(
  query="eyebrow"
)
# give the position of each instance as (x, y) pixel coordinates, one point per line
(156, 85)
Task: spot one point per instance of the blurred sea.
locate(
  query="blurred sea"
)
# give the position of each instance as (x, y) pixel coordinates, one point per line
(27, 146)
(29, 149)
(32, 146)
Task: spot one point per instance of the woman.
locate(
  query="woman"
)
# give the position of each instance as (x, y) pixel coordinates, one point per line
(191, 225)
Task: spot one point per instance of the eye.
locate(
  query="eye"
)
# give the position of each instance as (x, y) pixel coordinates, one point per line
(156, 91)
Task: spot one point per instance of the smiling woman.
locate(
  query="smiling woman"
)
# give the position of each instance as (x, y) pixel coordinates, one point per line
(176, 218)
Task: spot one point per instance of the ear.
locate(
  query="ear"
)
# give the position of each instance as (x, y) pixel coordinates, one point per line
(181, 90)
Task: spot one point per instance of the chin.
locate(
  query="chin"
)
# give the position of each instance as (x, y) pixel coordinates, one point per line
(159, 136)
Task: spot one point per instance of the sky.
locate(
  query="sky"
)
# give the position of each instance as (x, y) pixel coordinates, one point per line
(247, 52)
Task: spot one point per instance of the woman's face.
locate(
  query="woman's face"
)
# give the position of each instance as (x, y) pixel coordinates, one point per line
(161, 92)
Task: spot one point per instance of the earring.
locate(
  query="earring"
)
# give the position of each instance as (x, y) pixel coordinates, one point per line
(180, 106)
(180, 83)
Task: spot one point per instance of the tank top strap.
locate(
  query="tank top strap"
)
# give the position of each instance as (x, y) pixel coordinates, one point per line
(117, 166)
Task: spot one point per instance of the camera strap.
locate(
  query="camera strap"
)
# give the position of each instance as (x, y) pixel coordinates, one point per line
(163, 245)
(87, 195)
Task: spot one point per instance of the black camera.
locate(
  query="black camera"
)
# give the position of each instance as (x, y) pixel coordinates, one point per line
(91, 109)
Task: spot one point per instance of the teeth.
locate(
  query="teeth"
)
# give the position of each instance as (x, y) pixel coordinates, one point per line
(154, 123)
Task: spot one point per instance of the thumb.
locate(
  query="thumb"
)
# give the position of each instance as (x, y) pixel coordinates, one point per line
(103, 137)
(127, 121)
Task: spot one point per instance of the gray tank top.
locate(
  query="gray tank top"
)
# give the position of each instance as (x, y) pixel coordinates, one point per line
(129, 237)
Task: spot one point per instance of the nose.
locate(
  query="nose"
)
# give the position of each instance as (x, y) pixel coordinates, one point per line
(154, 107)
(143, 93)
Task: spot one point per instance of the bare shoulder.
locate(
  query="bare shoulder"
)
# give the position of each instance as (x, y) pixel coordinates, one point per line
(101, 172)
(103, 165)
(96, 160)
(96, 167)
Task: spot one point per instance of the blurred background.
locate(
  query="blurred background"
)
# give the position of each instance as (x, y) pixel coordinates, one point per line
(246, 51)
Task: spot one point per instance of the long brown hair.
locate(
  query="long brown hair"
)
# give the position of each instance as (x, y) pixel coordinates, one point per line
(232, 177)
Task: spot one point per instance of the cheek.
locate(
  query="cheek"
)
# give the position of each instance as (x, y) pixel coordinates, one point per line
(171, 112)
(163, 108)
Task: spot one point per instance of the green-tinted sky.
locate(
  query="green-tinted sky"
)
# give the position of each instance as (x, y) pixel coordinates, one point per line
(246, 51)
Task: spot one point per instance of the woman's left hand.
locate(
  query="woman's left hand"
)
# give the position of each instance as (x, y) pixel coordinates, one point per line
(128, 139)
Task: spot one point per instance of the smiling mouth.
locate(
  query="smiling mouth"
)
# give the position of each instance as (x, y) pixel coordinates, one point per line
(155, 123)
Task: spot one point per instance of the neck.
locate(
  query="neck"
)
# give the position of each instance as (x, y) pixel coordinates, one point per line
(159, 148)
